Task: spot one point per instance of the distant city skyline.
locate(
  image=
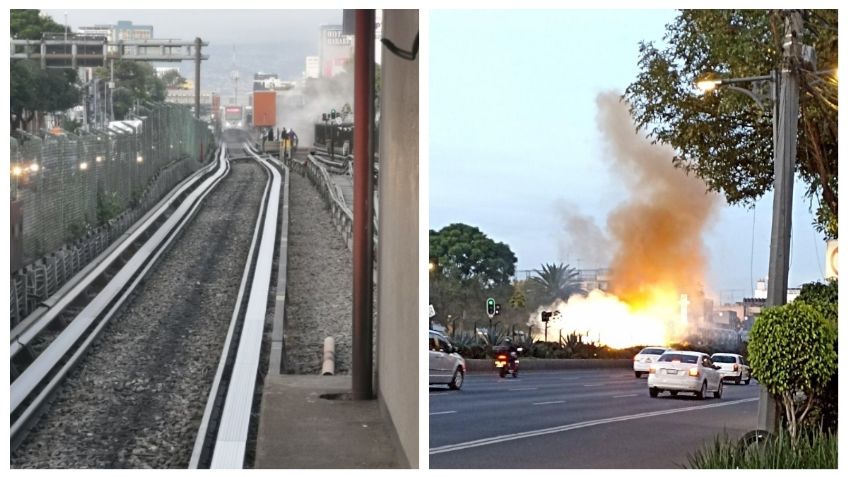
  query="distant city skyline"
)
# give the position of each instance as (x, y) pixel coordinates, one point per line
(239, 27)
(248, 41)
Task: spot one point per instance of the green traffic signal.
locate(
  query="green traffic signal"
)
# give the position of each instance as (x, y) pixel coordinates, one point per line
(490, 307)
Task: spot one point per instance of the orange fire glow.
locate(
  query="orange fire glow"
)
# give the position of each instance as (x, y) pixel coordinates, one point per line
(655, 243)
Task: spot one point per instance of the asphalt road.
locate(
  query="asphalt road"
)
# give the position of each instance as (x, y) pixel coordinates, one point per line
(599, 418)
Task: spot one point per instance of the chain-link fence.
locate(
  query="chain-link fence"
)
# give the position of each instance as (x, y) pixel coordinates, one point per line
(77, 194)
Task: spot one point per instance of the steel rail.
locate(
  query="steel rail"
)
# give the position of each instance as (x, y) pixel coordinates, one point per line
(231, 438)
(207, 432)
(54, 306)
(41, 378)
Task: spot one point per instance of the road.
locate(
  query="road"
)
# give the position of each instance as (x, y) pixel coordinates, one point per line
(600, 418)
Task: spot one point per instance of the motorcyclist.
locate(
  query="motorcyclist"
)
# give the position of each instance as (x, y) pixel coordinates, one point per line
(511, 351)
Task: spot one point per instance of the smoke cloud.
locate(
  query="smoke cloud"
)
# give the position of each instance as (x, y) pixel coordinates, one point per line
(652, 243)
(301, 108)
(582, 237)
(657, 232)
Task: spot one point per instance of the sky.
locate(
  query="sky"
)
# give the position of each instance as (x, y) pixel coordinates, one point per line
(513, 138)
(249, 41)
(218, 26)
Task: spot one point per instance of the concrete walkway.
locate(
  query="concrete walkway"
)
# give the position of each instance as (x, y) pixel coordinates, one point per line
(300, 430)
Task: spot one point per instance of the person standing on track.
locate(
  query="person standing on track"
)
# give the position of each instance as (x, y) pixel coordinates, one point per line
(293, 139)
(283, 141)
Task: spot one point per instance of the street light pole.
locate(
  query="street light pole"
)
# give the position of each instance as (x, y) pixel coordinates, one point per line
(785, 146)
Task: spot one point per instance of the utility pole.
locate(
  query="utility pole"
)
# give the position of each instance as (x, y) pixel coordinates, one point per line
(363, 207)
(111, 90)
(785, 146)
(197, 44)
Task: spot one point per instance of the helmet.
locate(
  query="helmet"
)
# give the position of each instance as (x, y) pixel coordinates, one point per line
(507, 341)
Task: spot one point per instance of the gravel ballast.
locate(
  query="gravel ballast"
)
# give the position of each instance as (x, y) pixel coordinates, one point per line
(137, 398)
(319, 283)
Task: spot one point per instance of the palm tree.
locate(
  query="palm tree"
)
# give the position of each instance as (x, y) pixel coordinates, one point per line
(555, 281)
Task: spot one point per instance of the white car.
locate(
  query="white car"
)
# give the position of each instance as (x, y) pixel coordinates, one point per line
(733, 367)
(685, 371)
(643, 360)
(446, 365)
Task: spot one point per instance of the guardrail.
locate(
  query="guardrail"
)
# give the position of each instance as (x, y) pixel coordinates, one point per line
(341, 214)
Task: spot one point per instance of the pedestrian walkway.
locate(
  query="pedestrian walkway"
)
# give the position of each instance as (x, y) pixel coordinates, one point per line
(298, 429)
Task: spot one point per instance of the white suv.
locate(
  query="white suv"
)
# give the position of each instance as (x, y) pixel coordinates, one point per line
(446, 365)
(643, 360)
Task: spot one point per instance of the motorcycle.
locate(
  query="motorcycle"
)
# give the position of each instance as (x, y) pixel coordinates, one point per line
(506, 362)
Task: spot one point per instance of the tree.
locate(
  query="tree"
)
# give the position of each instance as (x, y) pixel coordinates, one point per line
(464, 252)
(792, 353)
(518, 300)
(31, 25)
(35, 90)
(134, 81)
(173, 79)
(554, 282)
(31, 88)
(724, 138)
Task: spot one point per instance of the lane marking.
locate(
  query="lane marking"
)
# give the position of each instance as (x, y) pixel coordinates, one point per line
(547, 402)
(523, 389)
(593, 385)
(578, 425)
(625, 395)
(442, 412)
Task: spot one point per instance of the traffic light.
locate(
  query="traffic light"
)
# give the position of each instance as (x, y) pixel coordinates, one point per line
(497, 308)
(490, 307)
(333, 114)
(546, 316)
(324, 117)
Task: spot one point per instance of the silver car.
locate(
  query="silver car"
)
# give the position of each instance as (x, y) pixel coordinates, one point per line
(733, 367)
(685, 371)
(446, 365)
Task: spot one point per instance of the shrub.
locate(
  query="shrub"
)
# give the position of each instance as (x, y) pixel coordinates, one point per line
(108, 206)
(792, 354)
(825, 297)
(811, 450)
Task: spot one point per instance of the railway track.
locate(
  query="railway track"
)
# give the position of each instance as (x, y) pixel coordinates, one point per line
(122, 369)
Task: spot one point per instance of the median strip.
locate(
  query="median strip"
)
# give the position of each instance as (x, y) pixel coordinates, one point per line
(578, 425)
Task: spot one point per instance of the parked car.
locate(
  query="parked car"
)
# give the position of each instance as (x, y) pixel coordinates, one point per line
(446, 365)
(733, 367)
(643, 359)
(685, 371)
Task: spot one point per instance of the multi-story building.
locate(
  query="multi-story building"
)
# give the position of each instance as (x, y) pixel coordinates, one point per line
(313, 67)
(335, 49)
(122, 31)
(125, 30)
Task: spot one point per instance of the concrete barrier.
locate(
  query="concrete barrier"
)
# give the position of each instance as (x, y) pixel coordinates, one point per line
(533, 364)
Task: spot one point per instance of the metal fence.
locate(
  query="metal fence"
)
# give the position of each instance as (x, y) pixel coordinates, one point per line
(67, 186)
